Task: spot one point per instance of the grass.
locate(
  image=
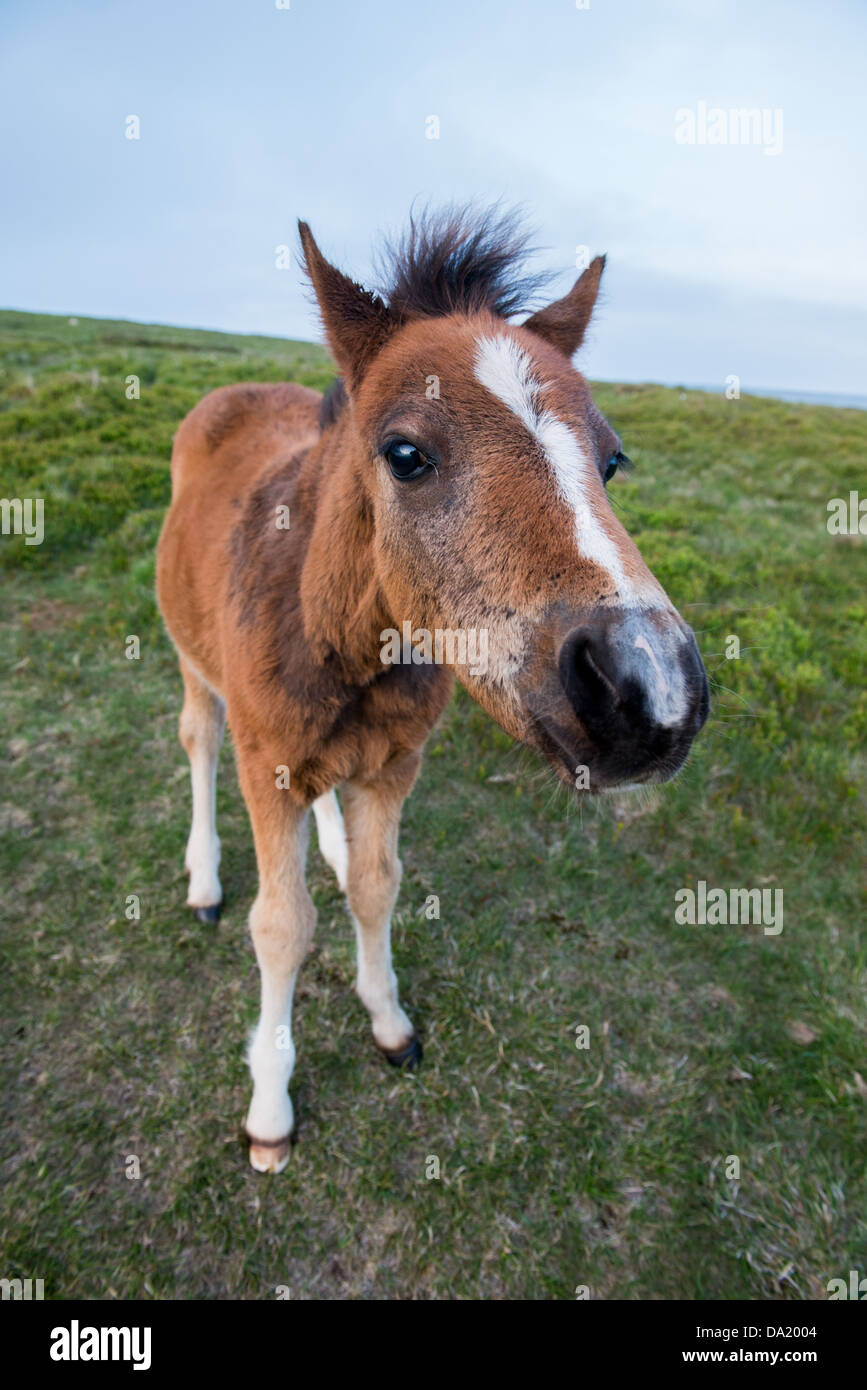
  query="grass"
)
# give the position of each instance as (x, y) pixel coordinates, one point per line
(609, 1167)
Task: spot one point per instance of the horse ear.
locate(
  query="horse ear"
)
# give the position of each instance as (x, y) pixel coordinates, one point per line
(357, 323)
(564, 322)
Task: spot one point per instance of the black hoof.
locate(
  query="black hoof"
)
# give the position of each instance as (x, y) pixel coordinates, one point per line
(209, 915)
(408, 1057)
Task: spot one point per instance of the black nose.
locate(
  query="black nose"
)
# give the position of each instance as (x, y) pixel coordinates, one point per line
(637, 684)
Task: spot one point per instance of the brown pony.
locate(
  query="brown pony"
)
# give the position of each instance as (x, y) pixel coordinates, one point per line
(329, 565)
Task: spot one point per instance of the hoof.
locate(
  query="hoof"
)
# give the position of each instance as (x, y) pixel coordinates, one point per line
(270, 1155)
(209, 915)
(408, 1056)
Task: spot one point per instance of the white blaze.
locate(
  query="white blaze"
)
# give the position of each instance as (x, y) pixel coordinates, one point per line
(506, 369)
(668, 697)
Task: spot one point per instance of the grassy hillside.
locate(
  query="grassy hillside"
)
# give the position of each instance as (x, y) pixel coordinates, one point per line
(609, 1167)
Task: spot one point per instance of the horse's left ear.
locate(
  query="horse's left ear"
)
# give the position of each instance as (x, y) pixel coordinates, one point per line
(357, 323)
(564, 322)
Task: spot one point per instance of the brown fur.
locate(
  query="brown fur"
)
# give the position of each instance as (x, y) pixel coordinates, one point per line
(285, 624)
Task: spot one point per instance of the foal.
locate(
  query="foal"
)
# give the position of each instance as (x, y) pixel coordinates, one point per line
(454, 481)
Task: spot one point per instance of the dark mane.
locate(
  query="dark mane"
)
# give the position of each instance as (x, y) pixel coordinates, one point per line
(459, 260)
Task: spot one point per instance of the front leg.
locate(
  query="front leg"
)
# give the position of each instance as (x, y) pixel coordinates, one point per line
(371, 810)
(282, 920)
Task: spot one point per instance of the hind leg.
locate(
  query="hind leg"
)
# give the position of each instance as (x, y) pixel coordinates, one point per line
(202, 724)
(331, 835)
(372, 809)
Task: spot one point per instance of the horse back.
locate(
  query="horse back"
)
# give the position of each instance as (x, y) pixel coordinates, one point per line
(235, 433)
(224, 451)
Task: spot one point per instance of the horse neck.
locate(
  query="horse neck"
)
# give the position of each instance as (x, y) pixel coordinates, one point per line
(342, 602)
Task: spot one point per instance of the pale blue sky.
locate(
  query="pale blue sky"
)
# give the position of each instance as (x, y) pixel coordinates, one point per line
(722, 259)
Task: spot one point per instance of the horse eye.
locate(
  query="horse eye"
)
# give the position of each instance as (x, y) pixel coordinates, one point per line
(611, 467)
(405, 460)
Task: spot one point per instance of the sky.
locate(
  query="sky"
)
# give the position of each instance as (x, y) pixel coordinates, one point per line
(744, 259)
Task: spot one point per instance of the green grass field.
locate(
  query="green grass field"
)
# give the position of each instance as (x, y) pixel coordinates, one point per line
(610, 1167)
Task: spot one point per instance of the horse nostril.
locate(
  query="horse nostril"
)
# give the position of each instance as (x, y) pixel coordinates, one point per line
(627, 670)
(585, 673)
(636, 683)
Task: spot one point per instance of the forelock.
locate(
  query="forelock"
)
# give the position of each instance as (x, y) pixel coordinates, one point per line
(459, 260)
